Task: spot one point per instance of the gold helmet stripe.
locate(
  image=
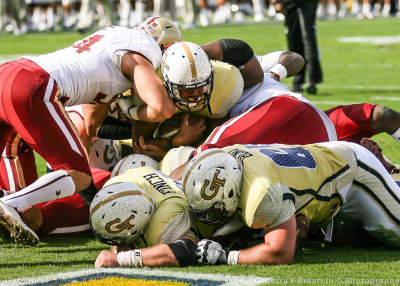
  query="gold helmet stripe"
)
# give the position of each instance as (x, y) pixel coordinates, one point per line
(191, 60)
(119, 195)
(196, 163)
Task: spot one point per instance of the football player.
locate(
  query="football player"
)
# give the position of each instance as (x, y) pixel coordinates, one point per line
(212, 88)
(34, 91)
(279, 181)
(159, 235)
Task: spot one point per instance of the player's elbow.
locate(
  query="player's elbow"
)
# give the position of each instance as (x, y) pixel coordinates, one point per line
(292, 61)
(161, 111)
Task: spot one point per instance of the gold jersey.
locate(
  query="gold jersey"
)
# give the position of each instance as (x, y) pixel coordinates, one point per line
(227, 89)
(281, 180)
(172, 217)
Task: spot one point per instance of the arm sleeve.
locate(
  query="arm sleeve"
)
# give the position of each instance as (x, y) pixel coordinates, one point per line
(269, 60)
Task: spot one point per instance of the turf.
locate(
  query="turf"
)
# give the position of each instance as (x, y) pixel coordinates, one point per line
(353, 73)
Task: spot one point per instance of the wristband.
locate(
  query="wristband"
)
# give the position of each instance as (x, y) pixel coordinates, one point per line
(132, 258)
(396, 135)
(279, 70)
(233, 257)
(133, 112)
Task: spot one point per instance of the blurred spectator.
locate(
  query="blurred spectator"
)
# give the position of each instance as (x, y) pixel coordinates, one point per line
(12, 16)
(19, 16)
(86, 14)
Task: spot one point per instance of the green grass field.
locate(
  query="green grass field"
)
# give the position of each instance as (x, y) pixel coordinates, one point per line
(354, 72)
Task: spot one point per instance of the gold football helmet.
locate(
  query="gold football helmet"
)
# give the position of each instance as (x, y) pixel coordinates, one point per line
(163, 30)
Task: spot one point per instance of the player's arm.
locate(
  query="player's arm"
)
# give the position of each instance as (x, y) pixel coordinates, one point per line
(278, 248)
(149, 87)
(238, 53)
(178, 172)
(94, 115)
(281, 64)
(181, 252)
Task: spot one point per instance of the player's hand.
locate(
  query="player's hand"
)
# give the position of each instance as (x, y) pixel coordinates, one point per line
(189, 133)
(211, 252)
(106, 259)
(153, 151)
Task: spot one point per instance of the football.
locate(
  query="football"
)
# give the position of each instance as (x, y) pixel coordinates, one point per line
(170, 127)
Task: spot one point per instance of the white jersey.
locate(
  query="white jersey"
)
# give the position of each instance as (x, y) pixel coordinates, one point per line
(260, 92)
(90, 70)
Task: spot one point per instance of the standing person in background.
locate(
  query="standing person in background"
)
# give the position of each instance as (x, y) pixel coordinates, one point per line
(301, 35)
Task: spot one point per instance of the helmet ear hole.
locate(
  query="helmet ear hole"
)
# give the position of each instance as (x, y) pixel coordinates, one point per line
(230, 194)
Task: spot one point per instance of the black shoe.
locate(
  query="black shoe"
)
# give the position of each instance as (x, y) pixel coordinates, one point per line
(297, 88)
(312, 89)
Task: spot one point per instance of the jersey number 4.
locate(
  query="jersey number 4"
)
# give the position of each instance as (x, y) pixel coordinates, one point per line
(85, 45)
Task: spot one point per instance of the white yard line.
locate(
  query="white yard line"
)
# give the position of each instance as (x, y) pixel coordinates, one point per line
(375, 40)
(144, 273)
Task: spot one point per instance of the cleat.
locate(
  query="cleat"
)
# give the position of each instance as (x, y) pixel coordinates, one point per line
(19, 231)
(374, 148)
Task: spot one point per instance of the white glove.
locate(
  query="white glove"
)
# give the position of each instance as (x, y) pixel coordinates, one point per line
(210, 252)
(125, 104)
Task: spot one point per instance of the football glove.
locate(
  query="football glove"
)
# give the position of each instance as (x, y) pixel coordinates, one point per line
(125, 104)
(211, 252)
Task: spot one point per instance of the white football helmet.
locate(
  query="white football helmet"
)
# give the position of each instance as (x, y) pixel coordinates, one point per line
(163, 30)
(133, 161)
(104, 154)
(212, 182)
(119, 213)
(188, 76)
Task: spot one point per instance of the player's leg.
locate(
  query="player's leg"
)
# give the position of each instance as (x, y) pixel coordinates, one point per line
(356, 121)
(266, 123)
(37, 115)
(17, 163)
(374, 199)
(352, 122)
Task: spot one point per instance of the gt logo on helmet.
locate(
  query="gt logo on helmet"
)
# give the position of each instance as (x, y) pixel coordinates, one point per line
(116, 224)
(215, 185)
